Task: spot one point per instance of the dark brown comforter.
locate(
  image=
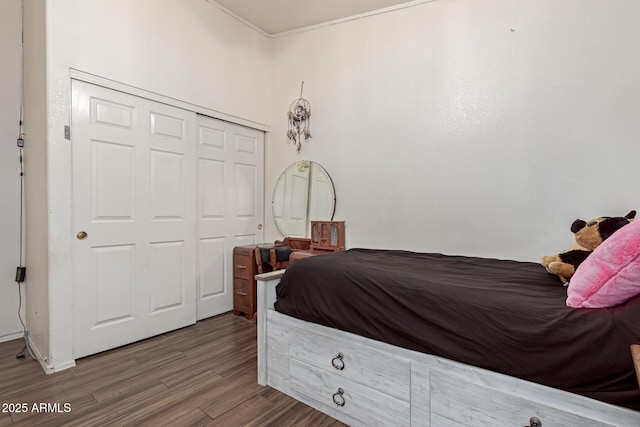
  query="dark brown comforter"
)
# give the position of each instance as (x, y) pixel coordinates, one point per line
(506, 316)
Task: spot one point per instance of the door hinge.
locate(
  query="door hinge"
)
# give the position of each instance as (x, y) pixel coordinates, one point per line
(67, 133)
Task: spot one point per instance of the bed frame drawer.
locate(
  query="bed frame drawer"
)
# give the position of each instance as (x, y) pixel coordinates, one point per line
(346, 399)
(467, 403)
(292, 358)
(372, 368)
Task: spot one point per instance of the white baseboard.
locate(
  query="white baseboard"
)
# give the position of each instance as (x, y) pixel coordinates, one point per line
(47, 366)
(62, 366)
(10, 337)
(44, 360)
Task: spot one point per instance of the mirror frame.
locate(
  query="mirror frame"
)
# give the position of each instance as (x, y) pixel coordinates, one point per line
(275, 189)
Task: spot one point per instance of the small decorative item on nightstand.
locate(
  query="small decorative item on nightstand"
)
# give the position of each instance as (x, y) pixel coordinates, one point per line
(327, 235)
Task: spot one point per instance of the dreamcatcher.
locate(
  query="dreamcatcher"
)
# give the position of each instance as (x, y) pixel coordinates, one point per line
(299, 120)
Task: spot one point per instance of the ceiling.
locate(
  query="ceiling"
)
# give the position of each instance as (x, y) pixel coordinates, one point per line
(277, 16)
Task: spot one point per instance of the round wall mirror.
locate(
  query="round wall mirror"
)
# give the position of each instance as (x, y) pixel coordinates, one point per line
(304, 193)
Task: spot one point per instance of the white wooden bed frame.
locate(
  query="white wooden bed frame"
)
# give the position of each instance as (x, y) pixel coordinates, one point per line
(360, 381)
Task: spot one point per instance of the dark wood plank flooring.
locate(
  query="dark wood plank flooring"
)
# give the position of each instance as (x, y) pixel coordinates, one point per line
(202, 375)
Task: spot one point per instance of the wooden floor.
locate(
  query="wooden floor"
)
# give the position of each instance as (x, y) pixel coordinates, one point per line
(201, 375)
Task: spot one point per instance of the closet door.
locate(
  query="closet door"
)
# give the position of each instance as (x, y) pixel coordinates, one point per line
(134, 218)
(230, 206)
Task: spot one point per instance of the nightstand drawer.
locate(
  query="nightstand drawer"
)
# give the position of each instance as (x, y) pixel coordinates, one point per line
(243, 267)
(242, 294)
(244, 282)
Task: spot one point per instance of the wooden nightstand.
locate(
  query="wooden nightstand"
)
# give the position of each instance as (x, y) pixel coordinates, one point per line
(244, 282)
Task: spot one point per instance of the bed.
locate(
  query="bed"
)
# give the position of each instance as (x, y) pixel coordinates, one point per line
(375, 337)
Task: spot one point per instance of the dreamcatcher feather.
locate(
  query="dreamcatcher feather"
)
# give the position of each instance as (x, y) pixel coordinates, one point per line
(299, 120)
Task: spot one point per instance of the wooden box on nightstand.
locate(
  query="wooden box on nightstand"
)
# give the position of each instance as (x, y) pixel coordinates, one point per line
(244, 282)
(327, 235)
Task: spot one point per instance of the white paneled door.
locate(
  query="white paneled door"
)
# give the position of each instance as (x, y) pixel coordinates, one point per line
(230, 206)
(134, 207)
(137, 206)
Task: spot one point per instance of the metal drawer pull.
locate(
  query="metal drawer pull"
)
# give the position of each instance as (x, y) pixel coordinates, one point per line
(338, 399)
(534, 422)
(244, 294)
(337, 362)
(241, 267)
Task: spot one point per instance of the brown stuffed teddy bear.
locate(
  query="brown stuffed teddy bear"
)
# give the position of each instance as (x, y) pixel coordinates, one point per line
(588, 236)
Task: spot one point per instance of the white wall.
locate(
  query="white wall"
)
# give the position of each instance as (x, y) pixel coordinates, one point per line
(187, 50)
(10, 70)
(477, 127)
(35, 160)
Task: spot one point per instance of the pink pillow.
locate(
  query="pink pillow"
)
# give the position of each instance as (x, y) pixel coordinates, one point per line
(611, 273)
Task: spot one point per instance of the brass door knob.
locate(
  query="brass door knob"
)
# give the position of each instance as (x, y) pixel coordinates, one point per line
(81, 235)
(259, 226)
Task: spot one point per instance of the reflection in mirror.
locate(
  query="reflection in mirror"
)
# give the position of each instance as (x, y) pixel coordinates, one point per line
(304, 193)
